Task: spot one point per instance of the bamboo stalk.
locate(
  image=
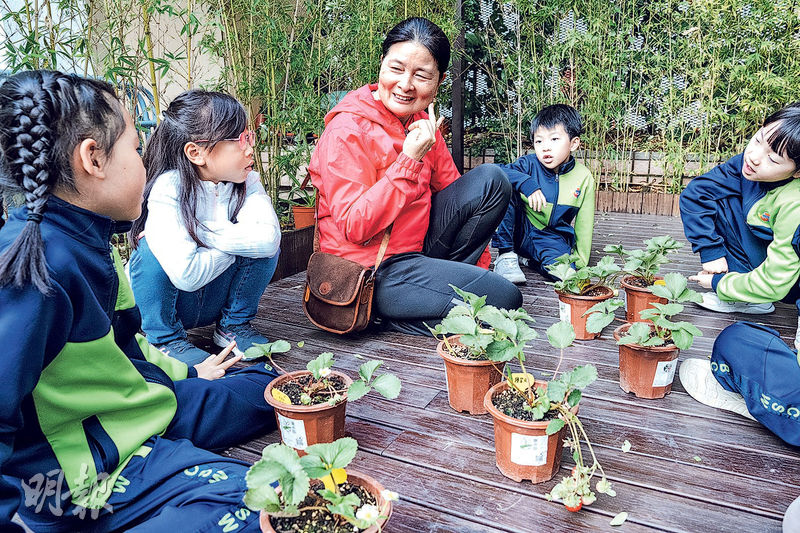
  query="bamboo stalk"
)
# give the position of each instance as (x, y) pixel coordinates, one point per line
(152, 67)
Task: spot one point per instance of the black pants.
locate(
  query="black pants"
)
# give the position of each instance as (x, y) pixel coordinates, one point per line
(413, 288)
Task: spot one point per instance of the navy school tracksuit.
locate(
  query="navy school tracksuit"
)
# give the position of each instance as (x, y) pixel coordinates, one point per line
(756, 227)
(543, 236)
(100, 431)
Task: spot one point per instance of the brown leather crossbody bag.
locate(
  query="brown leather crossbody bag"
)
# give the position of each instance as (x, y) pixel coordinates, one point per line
(338, 295)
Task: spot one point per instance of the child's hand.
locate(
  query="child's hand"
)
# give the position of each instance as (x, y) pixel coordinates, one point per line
(214, 366)
(422, 136)
(703, 279)
(536, 200)
(716, 266)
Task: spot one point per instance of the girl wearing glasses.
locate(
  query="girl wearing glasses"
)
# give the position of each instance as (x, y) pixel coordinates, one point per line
(207, 242)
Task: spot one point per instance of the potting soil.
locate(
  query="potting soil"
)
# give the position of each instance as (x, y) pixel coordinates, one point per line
(295, 388)
(511, 403)
(319, 521)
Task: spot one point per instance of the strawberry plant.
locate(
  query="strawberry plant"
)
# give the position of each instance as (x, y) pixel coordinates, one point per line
(645, 263)
(584, 280)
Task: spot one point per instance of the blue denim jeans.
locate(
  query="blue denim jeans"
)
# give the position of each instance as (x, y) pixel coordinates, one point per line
(167, 312)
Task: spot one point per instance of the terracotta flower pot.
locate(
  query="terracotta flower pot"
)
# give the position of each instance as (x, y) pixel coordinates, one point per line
(467, 380)
(357, 478)
(572, 306)
(637, 299)
(303, 216)
(304, 425)
(646, 371)
(522, 449)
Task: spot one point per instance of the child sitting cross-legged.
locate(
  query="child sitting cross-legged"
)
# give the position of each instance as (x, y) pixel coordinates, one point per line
(551, 191)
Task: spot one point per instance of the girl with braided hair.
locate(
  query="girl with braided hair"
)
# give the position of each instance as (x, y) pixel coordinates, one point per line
(99, 430)
(207, 242)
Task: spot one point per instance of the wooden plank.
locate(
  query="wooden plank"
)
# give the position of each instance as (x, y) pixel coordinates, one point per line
(664, 501)
(650, 203)
(619, 202)
(603, 201)
(634, 202)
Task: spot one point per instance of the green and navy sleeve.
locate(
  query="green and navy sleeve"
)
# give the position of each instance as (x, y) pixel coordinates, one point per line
(522, 174)
(772, 280)
(698, 203)
(33, 329)
(584, 222)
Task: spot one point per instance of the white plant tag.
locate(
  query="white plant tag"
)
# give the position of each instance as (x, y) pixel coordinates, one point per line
(529, 450)
(665, 373)
(564, 311)
(293, 432)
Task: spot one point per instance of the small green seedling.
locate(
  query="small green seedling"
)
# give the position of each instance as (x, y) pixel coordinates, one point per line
(583, 280)
(645, 263)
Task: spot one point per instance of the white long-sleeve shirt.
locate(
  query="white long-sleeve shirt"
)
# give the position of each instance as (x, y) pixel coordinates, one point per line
(257, 233)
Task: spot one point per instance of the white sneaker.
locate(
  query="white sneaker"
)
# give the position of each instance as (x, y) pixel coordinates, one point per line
(507, 265)
(711, 301)
(699, 381)
(791, 519)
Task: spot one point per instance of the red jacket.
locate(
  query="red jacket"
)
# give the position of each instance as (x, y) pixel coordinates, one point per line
(366, 182)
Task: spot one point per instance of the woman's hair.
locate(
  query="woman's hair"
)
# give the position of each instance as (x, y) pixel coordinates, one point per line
(44, 115)
(423, 31)
(193, 116)
(786, 137)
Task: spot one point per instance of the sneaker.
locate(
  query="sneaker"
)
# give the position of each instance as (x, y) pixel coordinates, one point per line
(507, 265)
(797, 338)
(699, 381)
(524, 261)
(183, 350)
(791, 519)
(244, 335)
(711, 301)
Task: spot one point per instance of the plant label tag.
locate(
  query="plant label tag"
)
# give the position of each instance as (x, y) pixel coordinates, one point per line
(529, 450)
(523, 380)
(281, 397)
(665, 373)
(293, 432)
(564, 312)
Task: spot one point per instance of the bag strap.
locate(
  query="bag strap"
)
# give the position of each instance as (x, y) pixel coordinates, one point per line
(384, 242)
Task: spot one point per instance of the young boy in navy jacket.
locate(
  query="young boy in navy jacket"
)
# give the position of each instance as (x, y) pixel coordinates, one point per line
(551, 190)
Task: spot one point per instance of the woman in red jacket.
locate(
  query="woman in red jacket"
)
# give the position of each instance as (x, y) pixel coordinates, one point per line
(381, 160)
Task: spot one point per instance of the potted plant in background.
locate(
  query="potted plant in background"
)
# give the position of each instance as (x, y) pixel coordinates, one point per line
(641, 268)
(469, 370)
(303, 202)
(531, 417)
(315, 492)
(310, 405)
(648, 352)
(579, 290)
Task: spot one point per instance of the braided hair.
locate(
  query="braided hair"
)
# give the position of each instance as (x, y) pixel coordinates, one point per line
(44, 115)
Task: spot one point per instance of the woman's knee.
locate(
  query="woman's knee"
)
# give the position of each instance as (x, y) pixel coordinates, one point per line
(503, 293)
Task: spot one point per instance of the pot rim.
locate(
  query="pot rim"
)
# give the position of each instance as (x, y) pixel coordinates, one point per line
(609, 293)
(496, 413)
(654, 349)
(302, 408)
(628, 287)
(441, 350)
(369, 480)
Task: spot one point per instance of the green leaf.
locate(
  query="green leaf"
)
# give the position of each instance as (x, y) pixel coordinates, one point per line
(459, 325)
(682, 339)
(301, 344)
(367, 369)
(314, 467)
(387, 385)
(676, 283)
(263, 498)
(498, 321)
(556, 390)
(554, 426)
(501, 351)
(337, 454)
(697, 458)
(357, 390)
(253, 352)
(582, 376)
(574, 397)
(561, 334)
(619, 519)
(324, 360)
(626, 446)
(597, 321)
(263, 472)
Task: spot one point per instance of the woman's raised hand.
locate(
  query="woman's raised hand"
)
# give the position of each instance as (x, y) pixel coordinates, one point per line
(422, 135)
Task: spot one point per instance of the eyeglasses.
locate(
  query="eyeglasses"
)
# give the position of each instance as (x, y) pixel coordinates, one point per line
(245, 139)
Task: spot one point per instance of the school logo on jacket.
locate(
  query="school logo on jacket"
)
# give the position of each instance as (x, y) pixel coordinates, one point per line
(577, 192)
(764, 216)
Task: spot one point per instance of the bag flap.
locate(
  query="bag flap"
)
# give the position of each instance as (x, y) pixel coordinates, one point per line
(333, 279)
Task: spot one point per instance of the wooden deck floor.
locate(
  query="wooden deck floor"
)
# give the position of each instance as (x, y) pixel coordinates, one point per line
(690, 467)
